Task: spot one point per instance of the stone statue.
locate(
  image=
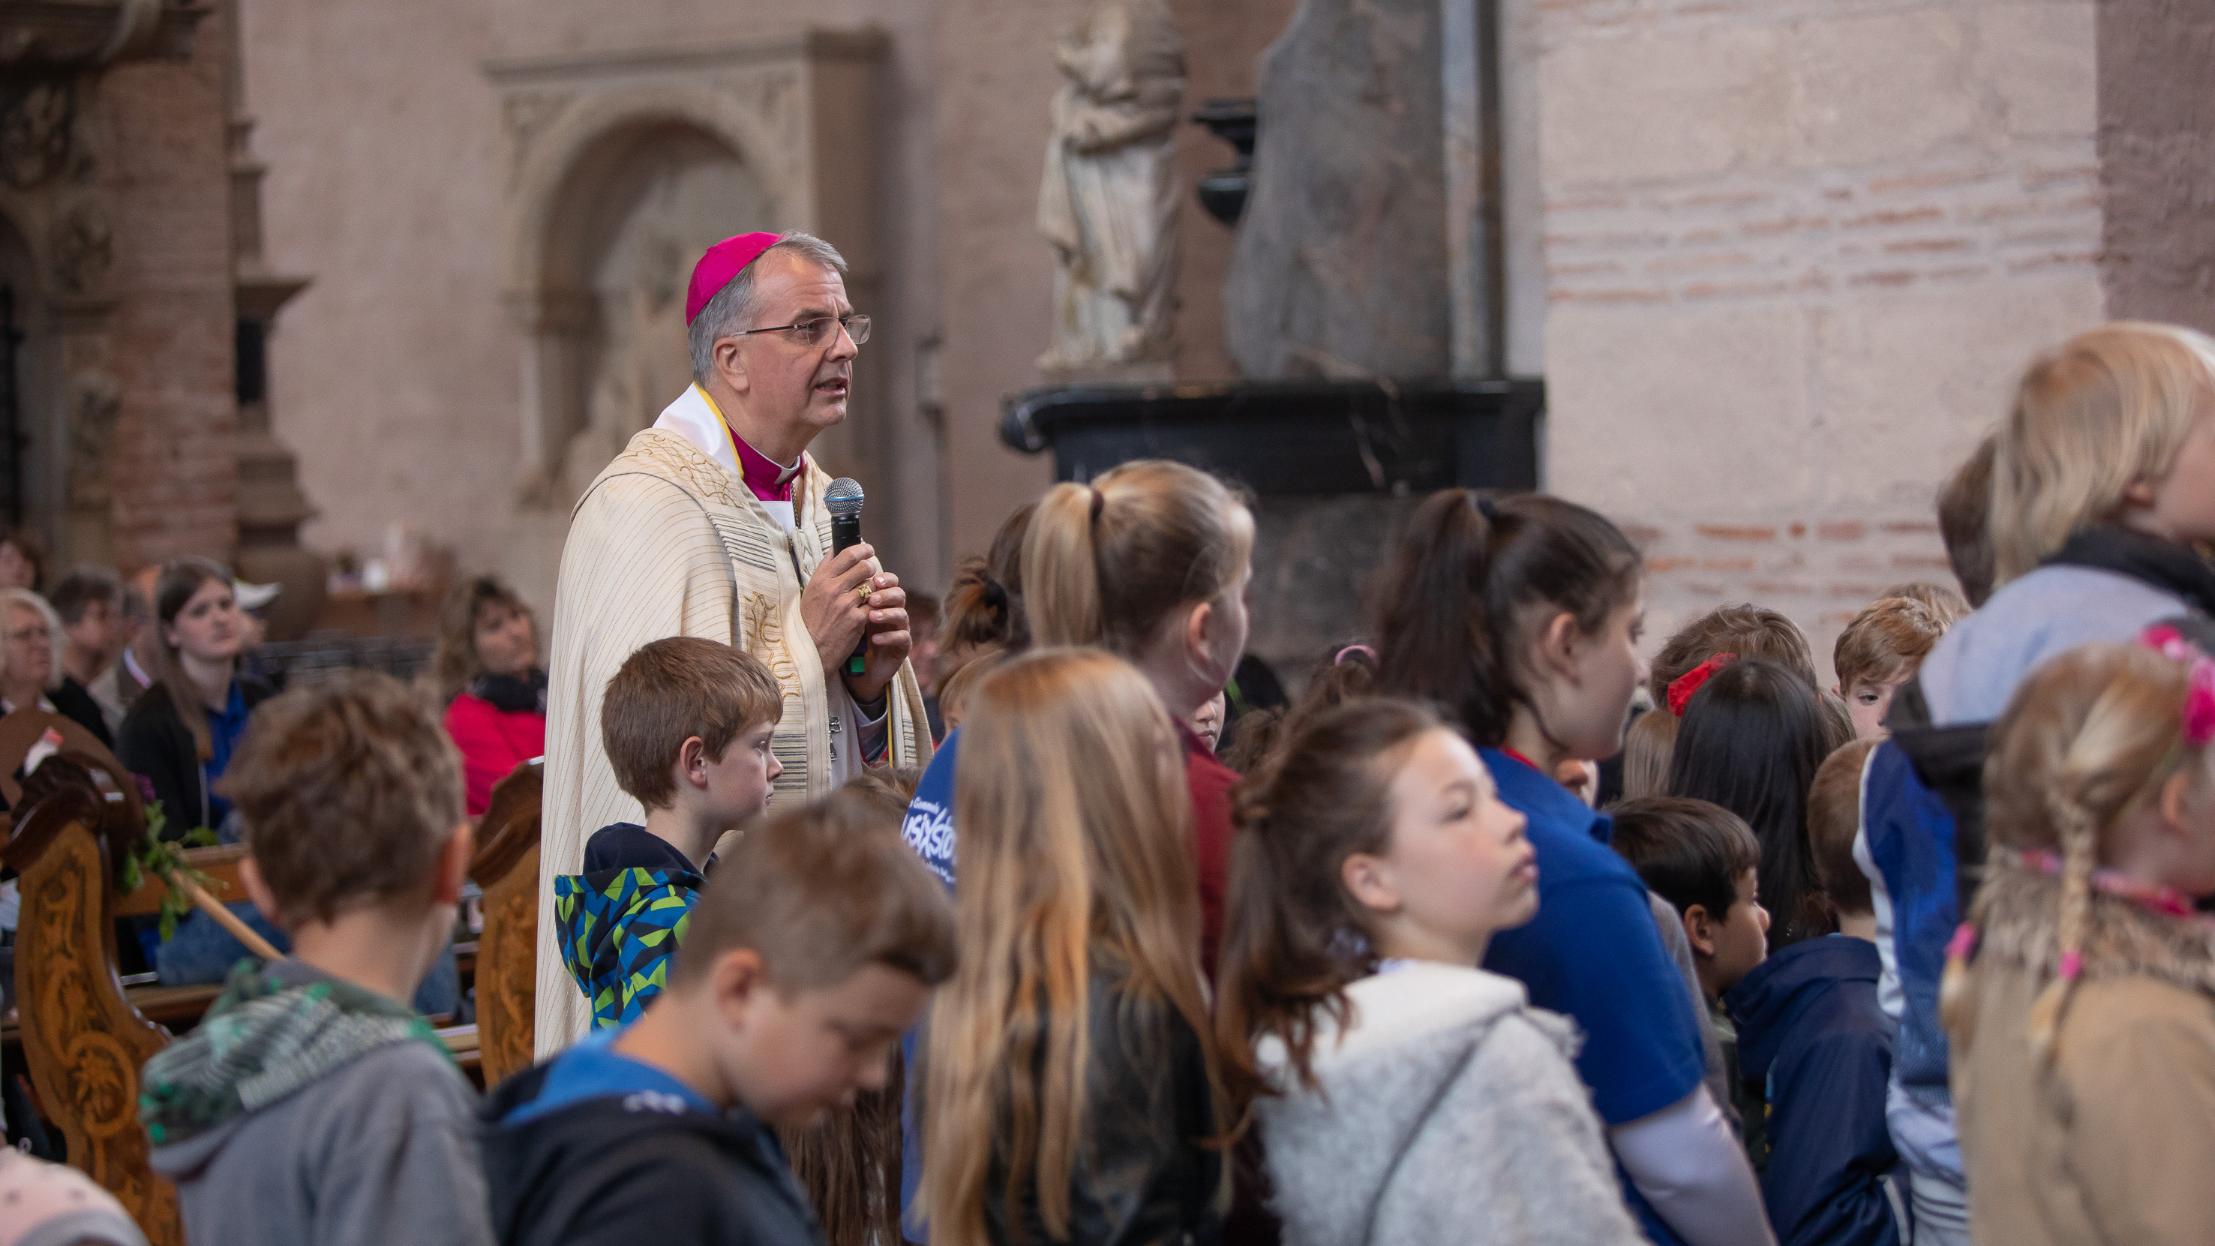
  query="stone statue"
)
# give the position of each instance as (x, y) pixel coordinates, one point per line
(635, 368)
(1109, 201)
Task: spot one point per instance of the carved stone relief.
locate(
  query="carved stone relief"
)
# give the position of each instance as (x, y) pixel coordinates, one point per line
(94, 400)
(83, 248)
(38, 131)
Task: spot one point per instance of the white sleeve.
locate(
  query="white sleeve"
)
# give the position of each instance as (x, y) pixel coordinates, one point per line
(1687, 1163)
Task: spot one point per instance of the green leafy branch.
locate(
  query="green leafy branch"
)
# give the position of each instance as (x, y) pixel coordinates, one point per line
(156, 857)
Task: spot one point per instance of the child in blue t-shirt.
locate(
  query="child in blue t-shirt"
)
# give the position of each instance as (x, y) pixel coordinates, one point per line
(1521, 615)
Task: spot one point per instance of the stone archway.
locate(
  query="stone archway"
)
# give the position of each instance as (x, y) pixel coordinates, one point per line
(605, 306)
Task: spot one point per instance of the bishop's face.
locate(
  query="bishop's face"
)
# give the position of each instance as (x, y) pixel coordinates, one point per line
(788, 383)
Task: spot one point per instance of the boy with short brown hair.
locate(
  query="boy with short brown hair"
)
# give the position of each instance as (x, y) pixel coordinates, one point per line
(1880, 650)
(815, 946)
(687, 725)
(312, 1104)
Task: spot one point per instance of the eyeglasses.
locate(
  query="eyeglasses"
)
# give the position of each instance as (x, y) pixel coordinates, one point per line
(815, 332)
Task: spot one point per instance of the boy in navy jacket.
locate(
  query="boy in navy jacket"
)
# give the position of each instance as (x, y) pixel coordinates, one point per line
(1810, 1031)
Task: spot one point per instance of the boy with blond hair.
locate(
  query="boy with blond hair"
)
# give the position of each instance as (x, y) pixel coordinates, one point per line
(687, 724)
(814, 948)
(312, 1104)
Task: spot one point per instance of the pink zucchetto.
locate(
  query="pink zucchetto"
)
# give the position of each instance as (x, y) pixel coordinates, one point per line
(723, 261)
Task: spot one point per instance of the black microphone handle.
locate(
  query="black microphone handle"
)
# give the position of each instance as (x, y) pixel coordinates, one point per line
(845, 534)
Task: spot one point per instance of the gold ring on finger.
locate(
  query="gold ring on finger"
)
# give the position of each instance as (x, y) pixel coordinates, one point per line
(864, 590)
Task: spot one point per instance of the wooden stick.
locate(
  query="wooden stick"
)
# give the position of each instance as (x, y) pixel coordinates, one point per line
(225, 918)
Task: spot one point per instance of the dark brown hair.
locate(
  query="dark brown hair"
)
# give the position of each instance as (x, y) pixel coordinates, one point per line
(671, 690)
(1293, 939)
(1965, 521)
(33, 550)
(1105, 563)
(818, 893)
(1459, 592)
(1751, 741)
(348, 789)
(1887, 641)
(1347, 674)
(1747, 630)
(181, 578)
(984, 605)
(1687, 851)
(78, 590)
(456, 661)
(1833, 818)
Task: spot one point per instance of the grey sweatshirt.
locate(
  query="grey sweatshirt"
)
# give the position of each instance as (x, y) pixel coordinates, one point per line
(1449, 1111)
(377, 1152)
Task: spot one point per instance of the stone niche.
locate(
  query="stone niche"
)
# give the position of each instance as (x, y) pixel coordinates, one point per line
(621, 168)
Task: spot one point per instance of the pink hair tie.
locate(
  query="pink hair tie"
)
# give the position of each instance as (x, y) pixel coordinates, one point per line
(1683, 686)
(1964, 943)
(2072, 966)
(1339, 659)
(2199, 696)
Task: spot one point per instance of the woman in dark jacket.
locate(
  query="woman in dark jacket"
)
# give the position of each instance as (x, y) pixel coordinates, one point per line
(180, 735)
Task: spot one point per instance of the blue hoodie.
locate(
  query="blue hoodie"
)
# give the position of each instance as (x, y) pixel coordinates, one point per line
(1923, 790)
(1810, 1031)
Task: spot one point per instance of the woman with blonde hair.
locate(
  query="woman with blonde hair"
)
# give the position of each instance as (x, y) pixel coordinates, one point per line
(2081, 998)
(489, 674)
(1071, 1092)
(31, 673)
(2103, 502)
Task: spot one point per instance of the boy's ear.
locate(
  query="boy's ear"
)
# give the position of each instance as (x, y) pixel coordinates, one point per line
(257, 889)
(1369, 881)
(1699, 928)
(737, 976)
(692, 761)
(452, 870)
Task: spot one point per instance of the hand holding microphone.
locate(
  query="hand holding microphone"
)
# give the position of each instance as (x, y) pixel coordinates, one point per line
(857, 616)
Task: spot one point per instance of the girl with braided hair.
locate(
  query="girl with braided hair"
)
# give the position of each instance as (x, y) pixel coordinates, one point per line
(2080, 996)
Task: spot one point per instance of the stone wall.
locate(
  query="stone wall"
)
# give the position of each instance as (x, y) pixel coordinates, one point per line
(1797, 250)
(2156, 119)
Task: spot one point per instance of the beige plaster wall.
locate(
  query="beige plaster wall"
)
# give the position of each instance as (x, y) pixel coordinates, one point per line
(394, 376)
(1797, 251)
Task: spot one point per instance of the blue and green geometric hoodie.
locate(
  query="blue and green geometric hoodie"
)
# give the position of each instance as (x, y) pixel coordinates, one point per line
(621, 919)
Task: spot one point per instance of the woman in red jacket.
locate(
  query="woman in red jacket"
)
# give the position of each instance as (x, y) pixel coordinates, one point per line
(488, 669)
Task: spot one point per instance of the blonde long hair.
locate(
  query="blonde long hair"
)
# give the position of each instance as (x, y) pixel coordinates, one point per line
(2105, 409)
(1074, 820)
(2089, 739)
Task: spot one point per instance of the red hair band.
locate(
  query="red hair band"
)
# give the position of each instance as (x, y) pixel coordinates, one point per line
(1683, 686)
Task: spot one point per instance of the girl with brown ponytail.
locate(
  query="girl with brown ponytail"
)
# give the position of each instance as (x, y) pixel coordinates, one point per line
(2080, 997)
(1520, 617)
(1398, 1088)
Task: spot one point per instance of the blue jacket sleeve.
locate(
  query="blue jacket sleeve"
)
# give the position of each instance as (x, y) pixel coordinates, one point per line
(1829, 1150)
(1593, 954)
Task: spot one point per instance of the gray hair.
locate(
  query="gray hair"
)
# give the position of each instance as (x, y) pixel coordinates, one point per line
(735, 302)
(28, 600)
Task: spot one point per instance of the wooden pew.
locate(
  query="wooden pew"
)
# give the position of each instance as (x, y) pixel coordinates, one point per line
(506, 867)
(85, 1037)
(83, 1042)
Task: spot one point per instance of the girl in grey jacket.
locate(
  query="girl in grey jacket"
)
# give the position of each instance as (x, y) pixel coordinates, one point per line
(1402, 1095)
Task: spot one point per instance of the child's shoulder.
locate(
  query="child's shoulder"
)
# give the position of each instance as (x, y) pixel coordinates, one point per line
(629, 846)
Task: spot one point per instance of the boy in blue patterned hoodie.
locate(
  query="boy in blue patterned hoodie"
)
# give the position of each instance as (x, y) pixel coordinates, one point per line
(686, 723)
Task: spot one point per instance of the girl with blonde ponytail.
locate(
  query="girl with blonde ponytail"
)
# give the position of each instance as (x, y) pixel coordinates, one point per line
(2080, 996)
(1070, 1085)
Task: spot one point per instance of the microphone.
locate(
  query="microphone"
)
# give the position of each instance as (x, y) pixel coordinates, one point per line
(843, 500)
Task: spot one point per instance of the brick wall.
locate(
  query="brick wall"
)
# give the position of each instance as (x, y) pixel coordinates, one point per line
(1796, 252)
(164, 175)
